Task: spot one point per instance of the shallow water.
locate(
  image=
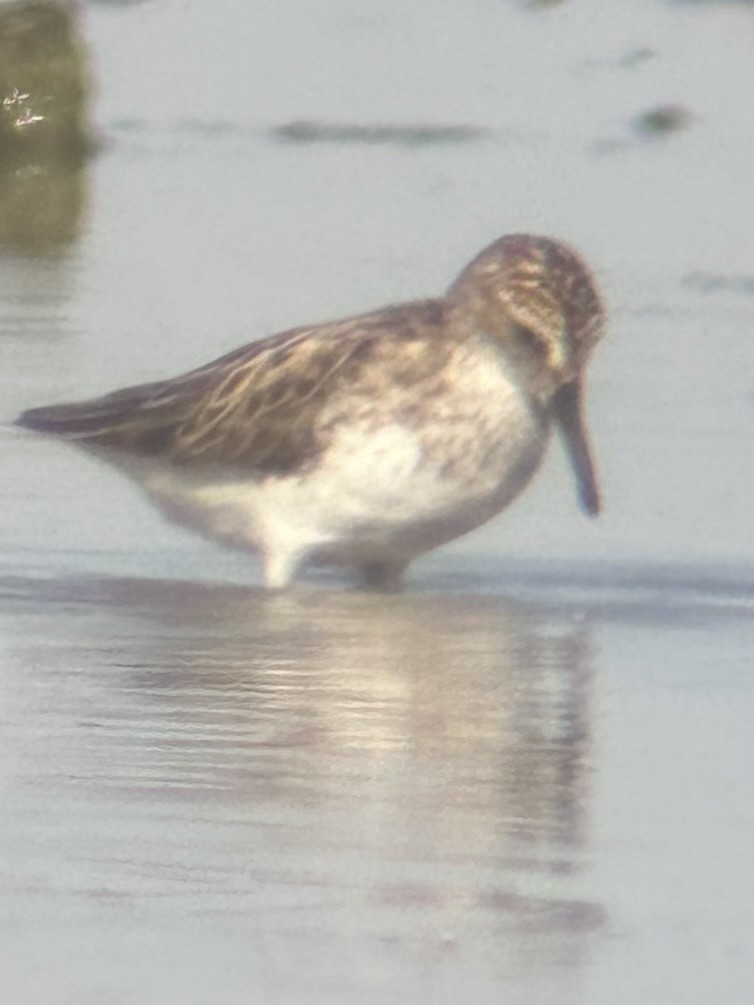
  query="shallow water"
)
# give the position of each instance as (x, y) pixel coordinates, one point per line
(215, 794)
(527, 777)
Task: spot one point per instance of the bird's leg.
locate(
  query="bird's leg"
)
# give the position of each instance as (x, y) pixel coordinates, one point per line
(280, 567)
(384, 576)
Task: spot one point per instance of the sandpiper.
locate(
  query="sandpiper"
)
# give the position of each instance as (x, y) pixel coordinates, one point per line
(368, 441)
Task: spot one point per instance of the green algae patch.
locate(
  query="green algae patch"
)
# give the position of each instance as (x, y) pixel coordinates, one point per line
(44, 83)
(45, 136)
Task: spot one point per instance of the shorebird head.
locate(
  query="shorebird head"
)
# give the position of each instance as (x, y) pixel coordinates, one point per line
(537, 297)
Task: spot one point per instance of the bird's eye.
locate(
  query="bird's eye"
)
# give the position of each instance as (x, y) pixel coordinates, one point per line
(531, 339)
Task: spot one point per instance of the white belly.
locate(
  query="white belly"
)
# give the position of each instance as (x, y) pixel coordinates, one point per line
(383, 491)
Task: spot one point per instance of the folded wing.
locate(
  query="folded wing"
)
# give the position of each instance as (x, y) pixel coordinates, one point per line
(258, 407)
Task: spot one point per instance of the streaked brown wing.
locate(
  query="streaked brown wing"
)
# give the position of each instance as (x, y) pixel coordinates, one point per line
(258, 406)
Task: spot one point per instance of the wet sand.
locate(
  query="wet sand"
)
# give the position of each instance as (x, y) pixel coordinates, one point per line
(527, 778)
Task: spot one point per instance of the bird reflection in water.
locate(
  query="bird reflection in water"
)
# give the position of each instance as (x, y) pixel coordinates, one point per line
(429, 754)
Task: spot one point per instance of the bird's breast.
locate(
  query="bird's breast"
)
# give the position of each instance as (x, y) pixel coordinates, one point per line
(448, 454)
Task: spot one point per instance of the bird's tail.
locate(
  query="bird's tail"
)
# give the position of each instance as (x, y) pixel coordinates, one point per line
(134, 418)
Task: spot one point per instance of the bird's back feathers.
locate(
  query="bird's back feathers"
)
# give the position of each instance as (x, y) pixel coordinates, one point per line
(257, 407)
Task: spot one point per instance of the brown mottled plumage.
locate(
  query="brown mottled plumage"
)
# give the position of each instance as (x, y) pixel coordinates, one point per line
(233, 445)
(258, 406)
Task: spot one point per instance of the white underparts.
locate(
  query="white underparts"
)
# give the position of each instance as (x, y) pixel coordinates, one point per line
(384, 490)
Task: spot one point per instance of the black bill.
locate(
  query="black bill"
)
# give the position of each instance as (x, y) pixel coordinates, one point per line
(567, 408)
